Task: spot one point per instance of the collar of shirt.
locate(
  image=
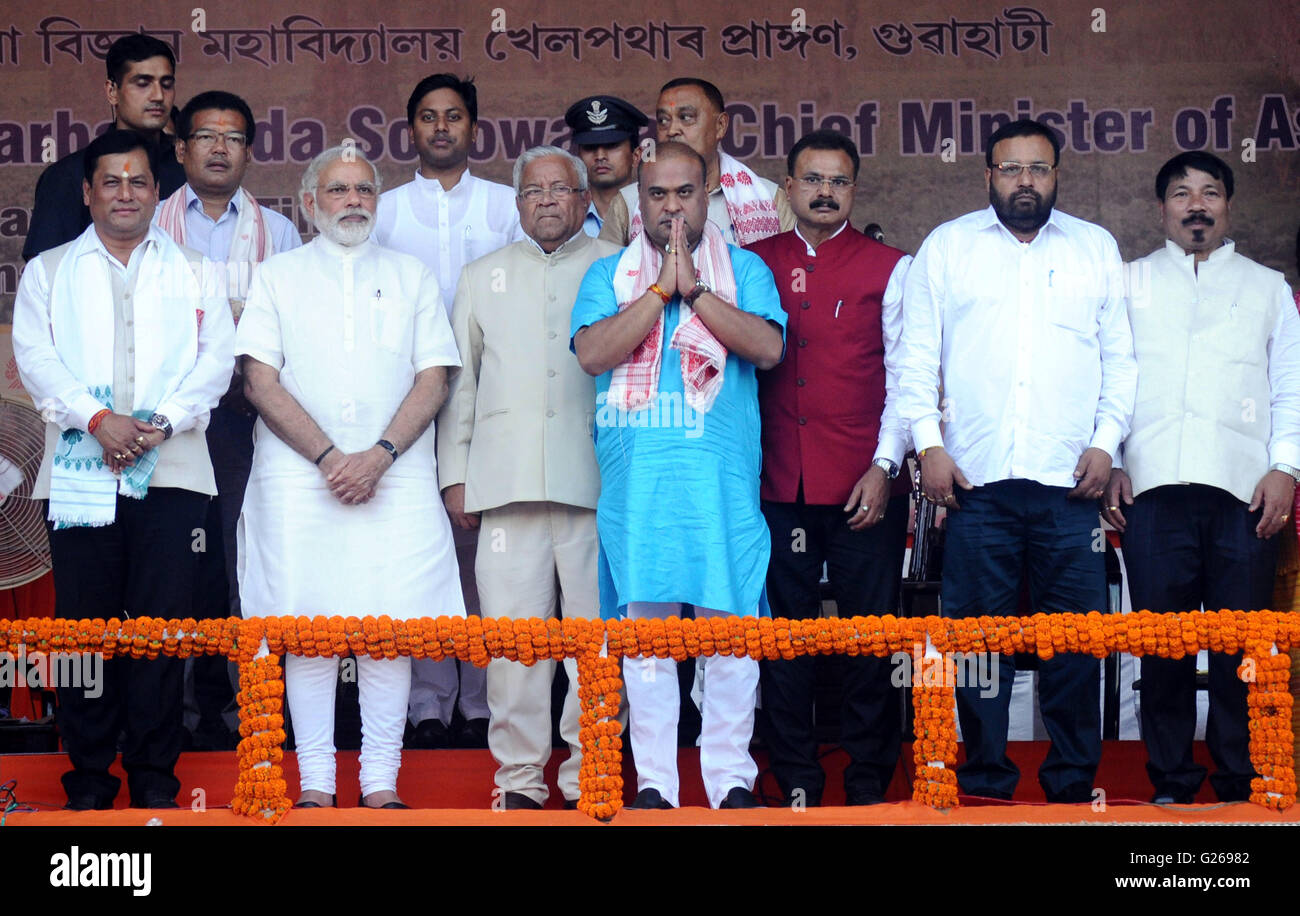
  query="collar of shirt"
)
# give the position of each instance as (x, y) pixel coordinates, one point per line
(991, 220)
(151, 238)
(565, 247)
(333, 249)
(812, 252)
(1223, 253)
(192, 202)
(433, 187)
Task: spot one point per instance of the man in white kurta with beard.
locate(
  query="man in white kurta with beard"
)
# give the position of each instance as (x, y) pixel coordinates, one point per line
(346, 347)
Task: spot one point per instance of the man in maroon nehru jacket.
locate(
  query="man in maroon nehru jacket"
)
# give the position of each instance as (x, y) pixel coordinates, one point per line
(833, 445)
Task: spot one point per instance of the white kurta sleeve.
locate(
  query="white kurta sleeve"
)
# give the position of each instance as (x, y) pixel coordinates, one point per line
(199, 391)
(922, 344)
(894, 438)
(434, 344)
(259, 335)
(1119, 370)
(60, 396)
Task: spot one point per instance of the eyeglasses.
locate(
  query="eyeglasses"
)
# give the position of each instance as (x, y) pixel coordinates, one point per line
(207, 138)
(337, 190)
(1014, 169)
(814, 183)
(533, 194)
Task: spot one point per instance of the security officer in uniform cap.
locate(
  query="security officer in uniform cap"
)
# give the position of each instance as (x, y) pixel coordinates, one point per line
(605, 131)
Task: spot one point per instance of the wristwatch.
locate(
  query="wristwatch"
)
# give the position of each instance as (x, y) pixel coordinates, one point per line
(696, 291)
(1287, 469)
(158, 421)
(388, 447)
(890, 469)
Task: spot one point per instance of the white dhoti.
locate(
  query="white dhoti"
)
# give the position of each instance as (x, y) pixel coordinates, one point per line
(727, 716)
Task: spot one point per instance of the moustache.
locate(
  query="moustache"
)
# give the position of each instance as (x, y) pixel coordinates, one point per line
(1199, 219)
(824, 203)
(1026, 195)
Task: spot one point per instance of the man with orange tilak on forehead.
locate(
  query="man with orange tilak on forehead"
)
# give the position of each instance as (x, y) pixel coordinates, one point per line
(740, 203)
(126, 342)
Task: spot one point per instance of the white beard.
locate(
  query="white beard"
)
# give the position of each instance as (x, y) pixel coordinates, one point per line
(347, 234)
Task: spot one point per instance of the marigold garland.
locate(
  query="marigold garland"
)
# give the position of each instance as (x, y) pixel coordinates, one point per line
(260, 792)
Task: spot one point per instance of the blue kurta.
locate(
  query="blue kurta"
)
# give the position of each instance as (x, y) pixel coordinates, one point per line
(678, 516)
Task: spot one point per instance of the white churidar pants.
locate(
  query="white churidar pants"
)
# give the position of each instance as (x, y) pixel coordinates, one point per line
(383, 685)
(532, 557)
(727, 716)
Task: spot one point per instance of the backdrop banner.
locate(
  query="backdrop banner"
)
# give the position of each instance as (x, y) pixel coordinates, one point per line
(917, 84)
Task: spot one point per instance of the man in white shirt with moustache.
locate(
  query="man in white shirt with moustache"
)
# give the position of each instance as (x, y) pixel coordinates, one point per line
(1019, 310)
(447, 217)
(1209, 470)
(126, 342)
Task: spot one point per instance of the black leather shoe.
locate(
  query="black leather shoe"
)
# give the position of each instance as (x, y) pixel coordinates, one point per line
(1168, 798)
(859, 799)
(87, 803)
(570, 804)
(334, 803)
(740, 797)
(155, 801)
(473, 734)
(390, 806)
(649, 799)
(1078, 793)
(430, 735)
(518, 801)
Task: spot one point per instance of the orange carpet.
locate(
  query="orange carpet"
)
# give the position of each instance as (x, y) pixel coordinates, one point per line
(453, 787)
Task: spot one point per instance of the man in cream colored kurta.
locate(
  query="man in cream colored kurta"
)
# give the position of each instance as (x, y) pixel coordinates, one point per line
(345, 347)
(514, 446)
(1209, 469)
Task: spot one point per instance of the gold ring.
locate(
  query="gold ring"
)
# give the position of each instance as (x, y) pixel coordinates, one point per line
(139, 440)
(1112, 508)
(948, 498)
(1285, 517)
(120, 457)
(864, 508)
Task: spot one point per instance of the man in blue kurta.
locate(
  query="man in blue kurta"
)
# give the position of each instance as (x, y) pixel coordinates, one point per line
(673, 328)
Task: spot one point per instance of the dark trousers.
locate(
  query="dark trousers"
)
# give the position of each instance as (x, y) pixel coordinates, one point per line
(141, 565)
(865, 571)
(216, 592)
(1004, 531)
(1186, 546)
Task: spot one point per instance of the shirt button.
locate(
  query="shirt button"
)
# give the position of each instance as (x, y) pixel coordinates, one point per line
(550, 373)
(552, 297)
(126, 295)
(801, 382)
(803, 421)
(803, 341)
(811, 268)
(550, 335)
(550, 413)
(804, 305)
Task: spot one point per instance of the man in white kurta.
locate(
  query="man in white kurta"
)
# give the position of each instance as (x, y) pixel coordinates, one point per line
(345, 346)
(447, 217)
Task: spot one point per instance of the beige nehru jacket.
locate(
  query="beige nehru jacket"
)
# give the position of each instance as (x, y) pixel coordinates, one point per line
(517, 424)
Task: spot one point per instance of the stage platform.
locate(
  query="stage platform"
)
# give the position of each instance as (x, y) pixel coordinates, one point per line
(454, 788)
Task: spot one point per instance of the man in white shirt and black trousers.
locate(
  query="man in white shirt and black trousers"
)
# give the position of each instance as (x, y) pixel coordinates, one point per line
(1210, 467)
(126, 341)
(1019, 310)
